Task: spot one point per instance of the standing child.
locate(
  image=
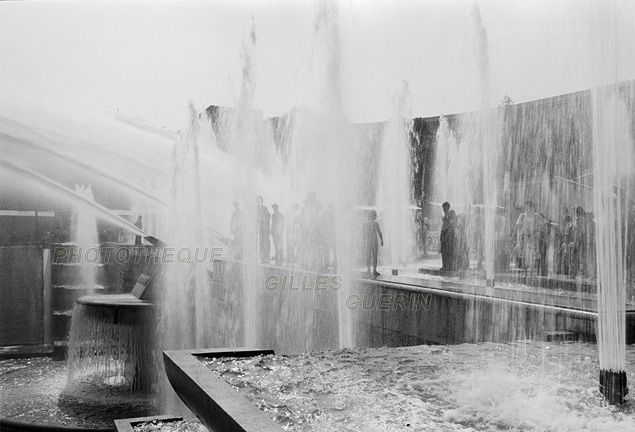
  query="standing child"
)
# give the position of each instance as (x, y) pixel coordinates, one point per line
(372, 237)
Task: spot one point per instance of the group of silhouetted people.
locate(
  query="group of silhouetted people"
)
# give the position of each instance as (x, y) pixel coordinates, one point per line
(305, 236)
(542, 245)
(576, 256)
(535, 243)
(269, 227)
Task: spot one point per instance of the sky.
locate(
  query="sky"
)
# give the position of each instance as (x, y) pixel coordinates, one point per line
(147, 59)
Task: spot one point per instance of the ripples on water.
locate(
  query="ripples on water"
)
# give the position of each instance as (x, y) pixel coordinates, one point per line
(519, 386)
(34, 391)
(170, 426)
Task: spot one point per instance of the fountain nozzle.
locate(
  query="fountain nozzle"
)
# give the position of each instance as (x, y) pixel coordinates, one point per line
(613, 386)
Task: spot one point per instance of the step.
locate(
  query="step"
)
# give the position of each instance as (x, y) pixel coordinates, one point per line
(60, 350)
(25, 351)
(61, 324)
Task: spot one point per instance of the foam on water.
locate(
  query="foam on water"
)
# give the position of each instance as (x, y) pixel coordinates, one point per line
(34, 391)
(522, 386)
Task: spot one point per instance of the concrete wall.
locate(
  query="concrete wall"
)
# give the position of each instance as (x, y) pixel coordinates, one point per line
(450, 317)
(21, 296)
(381, 313)
(290, 314)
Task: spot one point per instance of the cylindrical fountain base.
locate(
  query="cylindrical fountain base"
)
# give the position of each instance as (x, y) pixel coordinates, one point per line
(613, 386)
(113, 336)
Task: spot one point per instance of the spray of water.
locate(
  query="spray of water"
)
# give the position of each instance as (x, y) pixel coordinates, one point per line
(482, 129)
(613, 162)
(184, 289)
(612, 149)
(322, 159)
(84, 235)
(395, 180)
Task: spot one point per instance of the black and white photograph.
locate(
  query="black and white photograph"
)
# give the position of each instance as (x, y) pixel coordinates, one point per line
(317, 215)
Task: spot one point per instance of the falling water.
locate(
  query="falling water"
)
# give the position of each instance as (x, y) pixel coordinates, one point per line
(239, 132)
(322, 156)
(247, 150)
(482, 129)
(613, 162)
(113, 345)
(453, 161)
(84, 236)
(185, 291)
(612, 149)
(395, 179)
(468, 152)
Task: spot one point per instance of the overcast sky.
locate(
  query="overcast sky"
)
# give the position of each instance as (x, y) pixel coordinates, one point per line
(148, 58)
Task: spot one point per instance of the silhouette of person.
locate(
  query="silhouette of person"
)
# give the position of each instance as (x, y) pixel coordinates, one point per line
(566, 245)
(528, 227)
(277, 233)
(372, 239)
(138, 224)
(264, 228)
(236, 230)
(446, 239)
(423, 225)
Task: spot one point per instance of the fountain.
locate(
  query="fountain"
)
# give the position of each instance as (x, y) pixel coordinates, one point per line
(315, 297)
(84, 236)
(484, 158)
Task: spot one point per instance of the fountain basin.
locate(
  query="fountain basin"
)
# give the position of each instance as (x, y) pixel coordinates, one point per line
(531, 385)
(128, 425)
(8, 425)
(210, 398)
(34, 398)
